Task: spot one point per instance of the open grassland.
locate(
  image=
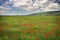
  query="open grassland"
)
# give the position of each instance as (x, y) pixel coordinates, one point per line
(34, 27)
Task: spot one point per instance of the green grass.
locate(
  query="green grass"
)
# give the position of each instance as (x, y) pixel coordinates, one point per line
(34, 27)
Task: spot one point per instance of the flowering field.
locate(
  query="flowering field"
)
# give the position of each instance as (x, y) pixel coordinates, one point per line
(30, 27)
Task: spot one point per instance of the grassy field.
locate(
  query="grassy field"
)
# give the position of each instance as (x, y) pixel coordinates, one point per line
(34, 27)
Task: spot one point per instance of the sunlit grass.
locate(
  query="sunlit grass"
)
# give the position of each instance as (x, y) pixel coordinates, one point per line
(29, 27)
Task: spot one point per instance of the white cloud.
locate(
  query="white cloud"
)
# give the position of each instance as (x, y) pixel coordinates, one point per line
(52, 6)
(37, 5)
(4, 7)
(4, 10)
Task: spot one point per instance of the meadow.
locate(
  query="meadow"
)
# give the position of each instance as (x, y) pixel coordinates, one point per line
(34, 27)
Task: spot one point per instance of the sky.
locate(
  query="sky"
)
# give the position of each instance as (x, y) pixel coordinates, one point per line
(26, 7)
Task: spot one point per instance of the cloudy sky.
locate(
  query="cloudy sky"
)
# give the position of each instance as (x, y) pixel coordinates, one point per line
(25, 7)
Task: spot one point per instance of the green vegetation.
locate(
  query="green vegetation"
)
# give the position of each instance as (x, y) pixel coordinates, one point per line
(33, 27)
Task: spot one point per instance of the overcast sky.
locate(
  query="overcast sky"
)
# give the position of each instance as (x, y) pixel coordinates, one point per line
(25, 7)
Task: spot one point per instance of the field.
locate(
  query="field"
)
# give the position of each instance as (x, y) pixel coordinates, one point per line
(34, 27)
